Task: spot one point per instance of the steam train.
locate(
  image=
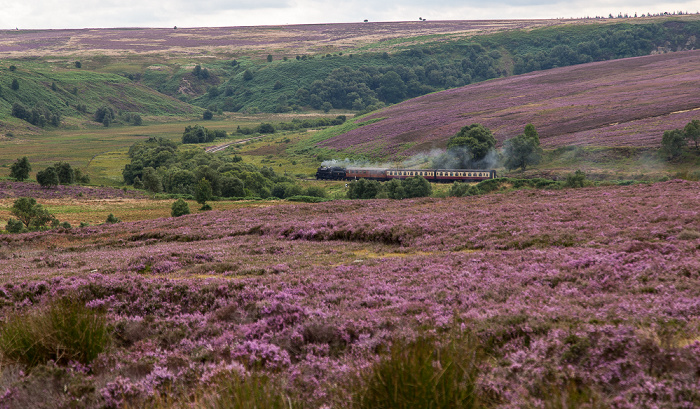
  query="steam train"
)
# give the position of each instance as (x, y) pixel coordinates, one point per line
(383, 174)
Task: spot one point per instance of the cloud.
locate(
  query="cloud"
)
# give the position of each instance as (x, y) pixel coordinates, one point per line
(211, 13)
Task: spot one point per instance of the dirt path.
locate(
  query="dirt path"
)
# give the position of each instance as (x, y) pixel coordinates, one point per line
(217, 148)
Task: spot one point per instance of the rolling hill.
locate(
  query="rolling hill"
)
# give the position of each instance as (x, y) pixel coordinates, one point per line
(628, 102)
(204, 41)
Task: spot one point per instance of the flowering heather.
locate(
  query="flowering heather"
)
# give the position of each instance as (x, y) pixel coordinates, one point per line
(628, 102)
(593, 287)
(9, 189)
(293, 38)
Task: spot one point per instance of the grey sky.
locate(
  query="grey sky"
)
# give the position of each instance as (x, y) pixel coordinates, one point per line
(216, 13)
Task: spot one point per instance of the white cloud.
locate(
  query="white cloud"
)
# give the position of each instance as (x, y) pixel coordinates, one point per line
(191, 13)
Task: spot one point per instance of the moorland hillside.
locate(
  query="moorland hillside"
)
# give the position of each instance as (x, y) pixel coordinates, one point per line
(627, 102)
(357, 67)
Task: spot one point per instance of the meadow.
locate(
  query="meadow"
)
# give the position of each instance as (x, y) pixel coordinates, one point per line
(581, 295)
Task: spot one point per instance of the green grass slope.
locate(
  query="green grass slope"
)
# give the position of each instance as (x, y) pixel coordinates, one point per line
(77, 93)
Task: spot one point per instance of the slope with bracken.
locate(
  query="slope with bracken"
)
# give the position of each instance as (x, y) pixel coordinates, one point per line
(627, 102)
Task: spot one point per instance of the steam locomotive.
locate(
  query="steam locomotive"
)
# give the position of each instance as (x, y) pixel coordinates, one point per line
(383, 174)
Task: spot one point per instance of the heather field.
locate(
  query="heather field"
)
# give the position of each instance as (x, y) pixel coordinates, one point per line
(628, 102)
(294, 39)
(574, 298)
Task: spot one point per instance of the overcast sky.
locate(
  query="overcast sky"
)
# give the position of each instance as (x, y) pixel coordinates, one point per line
(217, 13)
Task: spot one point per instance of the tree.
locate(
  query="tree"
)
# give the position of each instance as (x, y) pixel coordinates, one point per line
(417, 186)
(82, 178)
(232, 186)
(203, 192)
(363, 189)
(247, 75)
(692, 132)
(19, 170)
(266, 128)
(151, 180)
(104, 113)
(269, 58)
(523, 150)
(672, 143)
(471, 144)
(111, 219)
(32, 214)
(15, 85)
(394, 189)
(137, 120)
(47, 177)
(392, 88)
(179, 208)
(78, 64)
(66, 174)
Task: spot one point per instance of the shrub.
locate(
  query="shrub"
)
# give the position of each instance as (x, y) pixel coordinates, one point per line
(306, 199)
(417, 186)
(423, 374)
(63, 331)
(179, 208)
(47, 177)
(363, 189)
(19, 170)
(576, 179)
(14, 226)
(203, 192)
(672, 143)
(111, 219)
(252, 391)
(30, 213)
(315, 191)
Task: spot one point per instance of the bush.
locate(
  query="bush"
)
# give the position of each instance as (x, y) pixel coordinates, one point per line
(315, 191)
(47, 177)
(363, 189)
(252, 391)
(111, 219)
(672, 143)
(423, 374)
(19, 170)
(576, 179)
(30, 213)
(179, 208)
(63, 331)
(417, 186)
(14, 226)
(459, 189)
(306, 199)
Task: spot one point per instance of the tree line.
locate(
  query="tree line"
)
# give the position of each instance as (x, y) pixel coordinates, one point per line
(61, 173)
(367, 81)
(159, 165)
